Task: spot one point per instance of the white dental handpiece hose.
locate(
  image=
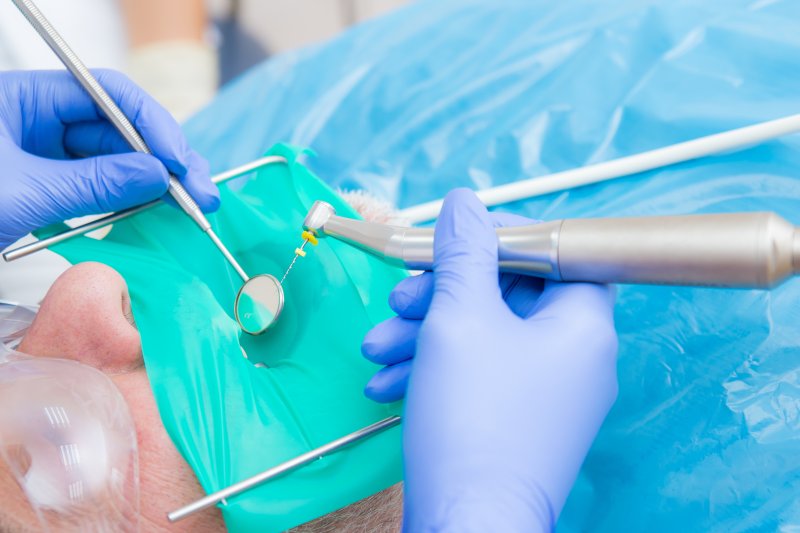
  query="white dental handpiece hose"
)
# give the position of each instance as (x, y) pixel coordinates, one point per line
(736, 139)
(748, 250)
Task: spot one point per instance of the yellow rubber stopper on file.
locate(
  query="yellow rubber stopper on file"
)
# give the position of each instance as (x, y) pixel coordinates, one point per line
(299, 252)
(307, 235)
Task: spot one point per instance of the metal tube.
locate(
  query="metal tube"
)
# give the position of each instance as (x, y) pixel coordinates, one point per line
(301, 460)
(757, 250)
(41, 244)
(114, 114)
(239, 270)
(252, 166)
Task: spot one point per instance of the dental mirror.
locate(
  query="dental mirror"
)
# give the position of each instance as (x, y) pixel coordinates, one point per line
(260, 300)
(258, 304)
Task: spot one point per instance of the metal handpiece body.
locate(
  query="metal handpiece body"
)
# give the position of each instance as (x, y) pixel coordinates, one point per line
(755, 250)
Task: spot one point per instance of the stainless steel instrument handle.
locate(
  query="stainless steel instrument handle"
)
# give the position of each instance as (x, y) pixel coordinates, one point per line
(756, 250)
(726, 250)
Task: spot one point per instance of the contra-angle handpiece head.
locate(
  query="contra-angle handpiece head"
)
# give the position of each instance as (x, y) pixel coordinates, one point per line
(757, 250)
(404, 247)
(318, 215)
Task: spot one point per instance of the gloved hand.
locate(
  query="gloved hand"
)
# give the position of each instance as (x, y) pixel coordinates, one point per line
(508, 384)
(47, 121)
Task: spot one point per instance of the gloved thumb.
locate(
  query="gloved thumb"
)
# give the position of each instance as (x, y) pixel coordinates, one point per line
(106, 183)
(464, 254)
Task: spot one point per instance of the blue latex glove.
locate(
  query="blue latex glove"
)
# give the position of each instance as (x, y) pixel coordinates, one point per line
(509, 381)
(47, 121)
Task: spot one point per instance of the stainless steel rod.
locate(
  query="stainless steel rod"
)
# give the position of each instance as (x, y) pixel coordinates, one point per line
(114, 114)
(252, 166)
(229, 257)
(301, 460)
(41, 244)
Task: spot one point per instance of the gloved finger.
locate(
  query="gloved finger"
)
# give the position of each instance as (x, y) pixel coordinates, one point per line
(86, 139)
(391, 341)
(163, 136)
(198, 183)
(519, 292)
(57, 94)
(103, 184)
(588, 303)
(93, 138)
(390, 383)
(53, 93)
(577, 313)
(204, 192)
(65, 99)
(157, 127)
(464, 255)
(412, 296)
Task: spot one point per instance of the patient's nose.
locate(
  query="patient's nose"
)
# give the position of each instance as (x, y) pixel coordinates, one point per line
(86, 316)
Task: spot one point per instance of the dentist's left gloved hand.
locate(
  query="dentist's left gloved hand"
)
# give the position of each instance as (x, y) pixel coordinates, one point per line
(62, 159)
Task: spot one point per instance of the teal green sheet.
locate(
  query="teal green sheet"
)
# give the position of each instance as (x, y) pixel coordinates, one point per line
(229, 418)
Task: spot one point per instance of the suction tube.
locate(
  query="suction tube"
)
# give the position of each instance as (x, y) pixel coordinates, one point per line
(748, 250)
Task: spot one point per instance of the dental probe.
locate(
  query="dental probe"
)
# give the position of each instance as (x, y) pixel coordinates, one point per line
(118, 119)
(755, 250)
(41, 244)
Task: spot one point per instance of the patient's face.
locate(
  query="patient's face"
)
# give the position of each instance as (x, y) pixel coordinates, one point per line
(86, 316)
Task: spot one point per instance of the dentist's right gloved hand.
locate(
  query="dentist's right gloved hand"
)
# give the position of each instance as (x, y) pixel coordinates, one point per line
(508, 386)
(62, 159)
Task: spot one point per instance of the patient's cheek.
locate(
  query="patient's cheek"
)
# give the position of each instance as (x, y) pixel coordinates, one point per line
(86, 316)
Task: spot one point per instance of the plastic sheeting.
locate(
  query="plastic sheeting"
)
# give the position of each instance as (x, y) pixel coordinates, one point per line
(230, 417)
(706, 432)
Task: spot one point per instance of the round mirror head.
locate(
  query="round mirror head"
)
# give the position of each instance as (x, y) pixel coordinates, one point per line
(258, 304)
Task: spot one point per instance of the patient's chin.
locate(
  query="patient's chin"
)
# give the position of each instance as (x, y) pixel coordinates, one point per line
(86, 316)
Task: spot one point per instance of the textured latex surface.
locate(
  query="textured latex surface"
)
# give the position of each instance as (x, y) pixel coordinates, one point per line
(705, 432)
(229, 418)
(67, 437)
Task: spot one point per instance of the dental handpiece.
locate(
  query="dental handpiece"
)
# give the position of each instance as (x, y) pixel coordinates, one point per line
(115, 115)
(748, 250)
